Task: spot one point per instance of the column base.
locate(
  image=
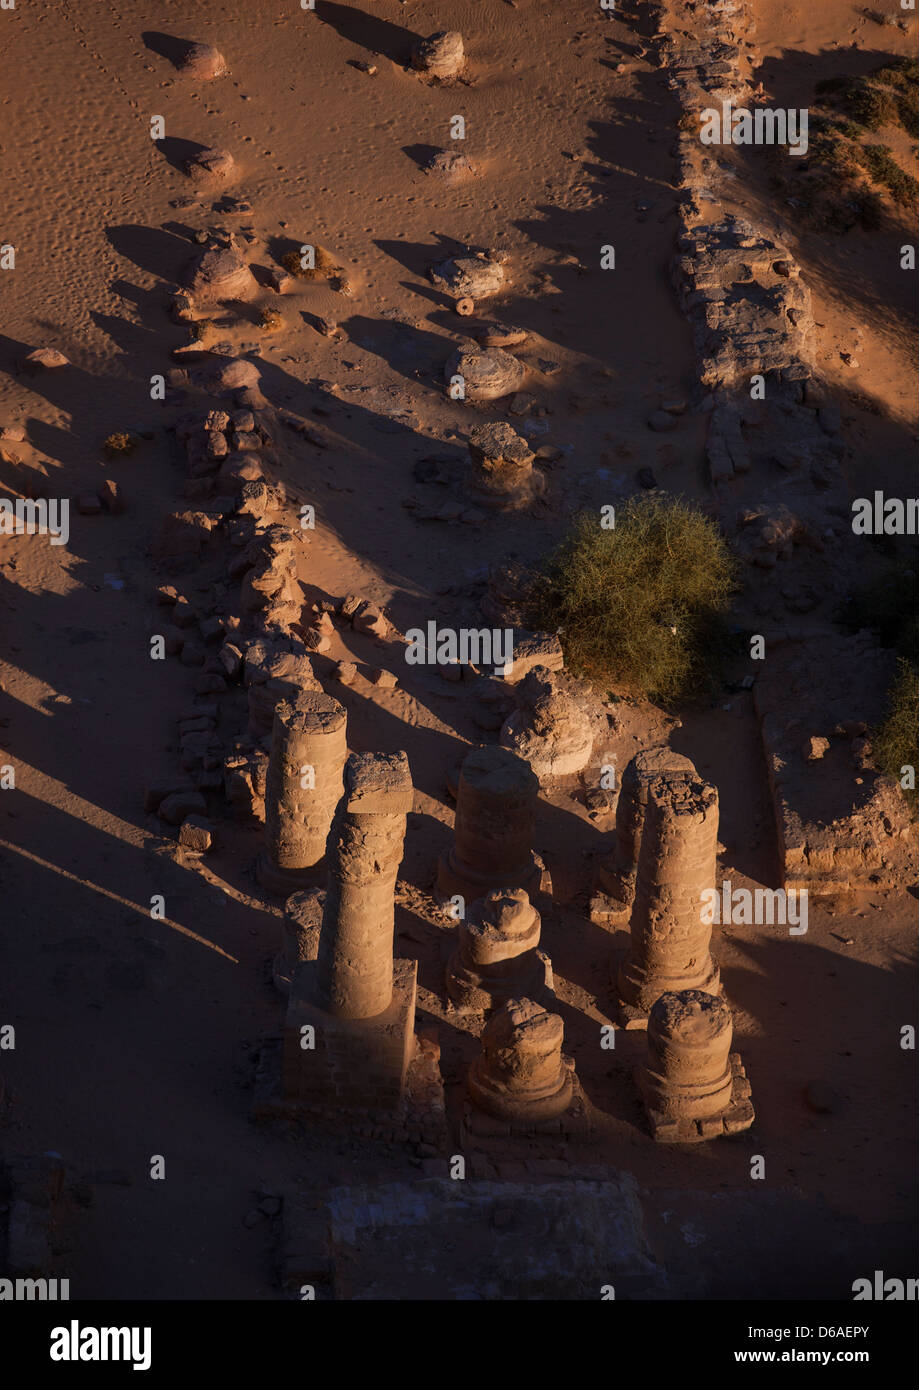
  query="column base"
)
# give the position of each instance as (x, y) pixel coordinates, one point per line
(355, 1063)
(735, 1117)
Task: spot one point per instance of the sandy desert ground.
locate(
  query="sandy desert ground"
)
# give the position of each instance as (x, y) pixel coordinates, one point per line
(137, 1037)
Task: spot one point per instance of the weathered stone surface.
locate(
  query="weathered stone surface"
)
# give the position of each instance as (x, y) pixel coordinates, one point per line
(551, 730)
(219, 274)
(488, 374)
(520, 1074)
(308, 751)
(496, 958)
(493, 830)
(44, 359)
(501, 473)
(441, 55)
(670, 938)
(202, 62)
(476, 276)
(838, 819)
(211, 166)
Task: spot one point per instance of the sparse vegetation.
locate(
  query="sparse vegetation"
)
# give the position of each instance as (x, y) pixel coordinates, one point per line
(271, 321)
(895, 743)
(200, 329)
(325, 265)
(121, 442)
(884, 169)
(835, 191)
(640, 603)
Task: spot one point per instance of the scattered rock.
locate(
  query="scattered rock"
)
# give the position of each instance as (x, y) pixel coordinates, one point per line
(197, 834)
(441, 55)
(487, 373)
(500, 335)
(221, 273)
(477, 276)
(371, 620)
(240, 372)
(814, 748)
(211, 166)
(346, 672)
(452, 168)
(202, 62)
(44, 359)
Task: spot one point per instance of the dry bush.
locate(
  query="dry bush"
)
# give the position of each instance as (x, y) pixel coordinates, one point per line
(640, 603)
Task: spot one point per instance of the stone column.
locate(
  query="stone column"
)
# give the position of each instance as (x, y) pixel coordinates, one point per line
(520, 1075)
(616, 870)
(693, 1086)
(670, 943)
(493, 830)
(496, 957)
(354, 977)
(308, 746)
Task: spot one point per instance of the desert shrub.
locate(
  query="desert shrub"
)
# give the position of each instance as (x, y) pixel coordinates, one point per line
(868, 105)
(641, 603)
(121, 442)
(885, 170)
(904, 78)
(895, 743)
(325, 265)
(270, 320)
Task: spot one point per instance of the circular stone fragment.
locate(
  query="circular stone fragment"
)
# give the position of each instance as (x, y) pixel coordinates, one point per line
(488, 373)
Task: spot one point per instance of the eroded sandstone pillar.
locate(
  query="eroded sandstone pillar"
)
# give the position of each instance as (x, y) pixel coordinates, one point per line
(521, 1075)
(669, 949)
(616, 871)
(354, 975)
(493, 830)
(693, 1086)
(497, 957)
(303, 787)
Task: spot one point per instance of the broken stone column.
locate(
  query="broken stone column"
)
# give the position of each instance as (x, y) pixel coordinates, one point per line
(501, 473)
(349, 1036)
(550, 729)
(493, 830)
(693, 1086)
(616, 871)
(303, 786)
(497, 956)
(299, 935)
(670, 943)
(354, 977)
(520, 1075)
